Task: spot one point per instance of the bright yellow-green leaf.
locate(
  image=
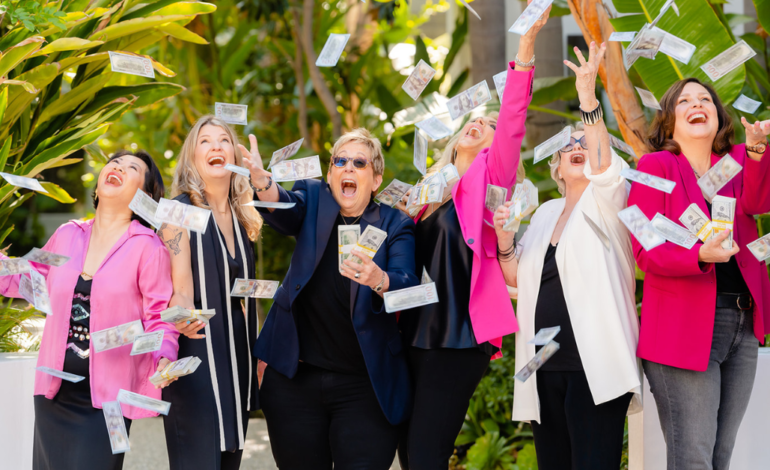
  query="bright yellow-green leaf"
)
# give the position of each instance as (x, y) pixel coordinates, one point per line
(19, 100)
(13, 56)
(187, 8)
(180, 32)
(75, 18)
(763, 13)
(4, 153)
(30, 88)
(3, 102)
(71, 62)
(67, 44)
(125, 28)
(55, 192)
(51, 156)
(71, 100)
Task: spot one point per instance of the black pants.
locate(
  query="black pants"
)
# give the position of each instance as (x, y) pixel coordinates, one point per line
(320, 418)
(574, 433)
(445, 380)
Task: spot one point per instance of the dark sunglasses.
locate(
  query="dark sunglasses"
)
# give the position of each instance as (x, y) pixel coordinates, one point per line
(358, 162)
(572, 142)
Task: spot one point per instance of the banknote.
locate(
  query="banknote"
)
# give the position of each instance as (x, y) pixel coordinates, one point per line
(552, 145)
(299, 169)
(645, 44)
(728, 60)
(640, 227)
(264, 289)
(45, 257)
(11, 266)
(178, 368)
(60, 374)
(347, 237)
(529, 16)
(673, 232)
(647, 179)
(116, 336)
(147, 342)
(676, 48)
(722, 218)
(697, 222)
(243, 287)
(25, 289)
(435, 129)
(182, 215)
(718, 176)
(144, 402)
(499, 80)
(625, 36)
(470, 9)
(285, 153)
(238, 169)
(760, 248)
(332, 50)
(622, 146)
(40, 292)
(370, 241)
(23, 182)
(232, 113)
(669, 4)
(496, 197)
(393, 192)
(116, 427)
(178, 313)
(544, 336)
(131, 64)
(746, 104)
(425, 279)
(417, 80)
(420, 152)
(468, 100)
(411, 297)
(451, 177)
(432, 189)
(271, 205)
(145, 207)
(598, 231)
(525, 201)
(541, 357)
(648, 99)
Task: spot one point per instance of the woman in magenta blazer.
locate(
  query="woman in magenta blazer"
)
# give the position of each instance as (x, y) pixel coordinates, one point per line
(451, 342)
(704, 309)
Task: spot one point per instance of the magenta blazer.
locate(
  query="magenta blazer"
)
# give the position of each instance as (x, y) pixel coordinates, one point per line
(679, 292)
(133, 283)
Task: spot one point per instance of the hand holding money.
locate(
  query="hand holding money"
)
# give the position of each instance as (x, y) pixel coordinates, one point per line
(366, 273)
(162, 364)
(712, 251)
(253, 161)
(504, 237)
(756, 133)
(191, 328)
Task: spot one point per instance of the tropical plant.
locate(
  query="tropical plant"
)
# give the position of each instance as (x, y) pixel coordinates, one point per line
(13, 333)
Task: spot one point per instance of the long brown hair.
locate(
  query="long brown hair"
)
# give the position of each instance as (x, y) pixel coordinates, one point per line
(661, 134)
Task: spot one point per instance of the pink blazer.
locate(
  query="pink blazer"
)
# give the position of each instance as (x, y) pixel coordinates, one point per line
(133, 283)
(679, 292)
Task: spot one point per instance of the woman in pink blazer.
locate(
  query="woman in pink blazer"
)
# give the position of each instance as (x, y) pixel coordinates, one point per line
(705, 308)
(451, 342)
(118, 272)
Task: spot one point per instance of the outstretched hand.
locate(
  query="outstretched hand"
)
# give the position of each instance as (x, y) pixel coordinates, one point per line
(756, 133)
(585, 74)
(253, 161)
(532, 33)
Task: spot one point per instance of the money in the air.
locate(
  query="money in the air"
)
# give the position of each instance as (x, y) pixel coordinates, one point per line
(673, 232)
(598, 231)
(648, 99)
(545, 335)
(13, 266)
(147, 342)
(141, 401)
(718, 176)
(677, 48)
(40, 292)
(393, 192)
(131, 64)
(23, 182)
(271, 205)
(116, 427)
(529, 16)
(496, 196)
(285, 153)
(647, 179)
(60, 374)
(746, 104)
(420, 152)
(622, 146)
(183, 215)
(45, 257)
(332, 50)
(116, 336)
(238, 169)
(728, 60)
(760, 248)
(232, 113)
(418, 79)
(145, 207)
(552, 145)
(541, 357)
(624, 36)
(723, 217)
(640, 227)
(468, 100)
(435, 129)
(411, 297)
(499, 80)
(299, 169)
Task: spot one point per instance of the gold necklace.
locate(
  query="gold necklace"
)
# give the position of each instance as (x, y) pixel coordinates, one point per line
(352, 223)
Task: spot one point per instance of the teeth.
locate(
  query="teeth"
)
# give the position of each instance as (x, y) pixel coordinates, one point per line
(696, 116)
(114, 179)
(478, 131)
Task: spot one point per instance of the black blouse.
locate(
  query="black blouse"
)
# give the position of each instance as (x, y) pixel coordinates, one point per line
(729, 277)
(79, 334)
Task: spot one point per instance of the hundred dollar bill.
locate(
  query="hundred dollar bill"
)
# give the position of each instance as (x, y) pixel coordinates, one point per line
(468, 100)
(117, 336)
(641, 227)
(598, 231)
(718, 176)
(413, 205)
(529, 16)
(673, 232)
(238, 169)
(433, 189)
(145, 207)
(40, 292)
(370, 241)
(411, 297)
(648, 99)
(179, 368)
(722, 218)
(12, 266)
(418, 79)
(425, 278)
(552, 145)
(183, 215)
(622, 146)
(697, 222)
(26, 291)
(728, 60)
(393, 192)
(243, 287)
(542, 356)
(525, 201)
(45, 257)
(499, 80)
(265, 289)
(144, 402)
(760, 248)
(178, 313)
(451, 177)
(332, 50)
(544, 336)
(746, 104)
(420, 152)
(669, 4)
(147, 342)
(647, 179)
(232, 113)
(271, 205)
(300, 169)
(60, 374)
(626, 36)
(677, 48)
(496, 197)
(116, 427)
(285, 153)
(23, 182)
(645, 44)
(435, 129)
(131, 64)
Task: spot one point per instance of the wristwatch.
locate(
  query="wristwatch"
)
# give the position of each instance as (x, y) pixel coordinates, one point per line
(759, 148)
(378, 287)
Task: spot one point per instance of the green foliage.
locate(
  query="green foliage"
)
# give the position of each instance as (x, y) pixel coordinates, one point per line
(13, 336)
(491, 452)
(32, 15)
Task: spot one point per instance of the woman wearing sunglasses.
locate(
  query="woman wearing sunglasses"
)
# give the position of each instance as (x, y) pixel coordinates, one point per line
(575, 270)
(337, 381)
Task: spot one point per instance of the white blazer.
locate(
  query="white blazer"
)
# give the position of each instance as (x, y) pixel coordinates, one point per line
(598, 286)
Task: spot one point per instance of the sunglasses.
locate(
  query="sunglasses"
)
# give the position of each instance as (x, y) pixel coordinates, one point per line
(358, 162)
(572, 142)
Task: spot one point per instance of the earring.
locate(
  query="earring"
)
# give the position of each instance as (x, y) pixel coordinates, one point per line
(560, 176)
(96, 195)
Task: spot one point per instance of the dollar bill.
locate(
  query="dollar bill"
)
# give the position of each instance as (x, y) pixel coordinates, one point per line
(598, 231)
(432, 189)
(300, 169)
(182, 215)
(243, 287)
(332, 50)
(525, 201)
(131, 64)
(411, 297)
(625, 36)
(417, 80)
(178, 313)
(393, 192)
(435, 129)
(697, 222)
(271, 205)
(648, 99)
(145, 207)
(451, 178)
(147, 342)
(728, 60)
(499, 80)
(541, 357)
(420, 152)
(640, 227)
(144, 402)
(116, 336)
(760, 248)
(645, 44)
(673, 232)
(60, 374)
(238, 169)
(232, 113)
(116, 427)
(12, 266)
(285, 153)
(718, 176)
(496, 197)
(647, 179)
(552, 145)
(425, 279)
(470, 9)
(468, 100)
(45, 257)
(722, 218)
(40, 292)
(669, 4)
(265, 289)
(676, 48)
(179, 368)
(370, 241)
(746, 104)
(25, 289)
(413, 205)
(545, 335)
(622, 146)
(529, 16)
(23, 182)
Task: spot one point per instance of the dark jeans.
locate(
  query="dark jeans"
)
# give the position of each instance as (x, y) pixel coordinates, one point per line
(574, 433)
(700, 412)
(322, 418)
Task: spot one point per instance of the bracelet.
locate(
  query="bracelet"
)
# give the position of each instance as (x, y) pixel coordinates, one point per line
(759, 148)
(592, 117)
(378, 287)
(531, 62)
(269, 183)
(508, 254)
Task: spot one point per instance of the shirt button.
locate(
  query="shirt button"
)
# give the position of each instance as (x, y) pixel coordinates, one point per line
(470, 241)
(297, 287)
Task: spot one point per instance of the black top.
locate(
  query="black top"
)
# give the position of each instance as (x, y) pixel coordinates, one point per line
(79, 335)
(442, 251)
(729, 277)
(323, 315)
(551, 310)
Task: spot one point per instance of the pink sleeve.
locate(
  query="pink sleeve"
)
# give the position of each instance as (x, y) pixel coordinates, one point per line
(667, 259)
(9, 285)
(755, 197)
(505, 152)
(156, 288)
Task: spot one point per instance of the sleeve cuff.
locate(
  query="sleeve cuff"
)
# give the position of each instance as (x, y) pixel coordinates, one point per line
(611, 175)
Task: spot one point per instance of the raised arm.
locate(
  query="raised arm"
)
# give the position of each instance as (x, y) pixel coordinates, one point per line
(755, 196)
(287, 222)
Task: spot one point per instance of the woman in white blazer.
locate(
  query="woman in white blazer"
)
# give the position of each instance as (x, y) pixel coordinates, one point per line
(575, 269)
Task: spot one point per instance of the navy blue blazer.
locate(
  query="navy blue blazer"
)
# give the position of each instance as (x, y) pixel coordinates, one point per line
(311, 221)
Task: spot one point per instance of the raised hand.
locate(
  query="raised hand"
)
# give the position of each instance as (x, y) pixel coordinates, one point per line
(585, 74)
(532, 33)
(756, 133)
(253, 161)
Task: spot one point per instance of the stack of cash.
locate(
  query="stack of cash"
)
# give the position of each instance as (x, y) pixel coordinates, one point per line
(116, 336)
(718, 176)
(641, 227)
(542, 356)
(429, 191)
(411, 297)
(145, 207)
(760, 248)
(179, 368)
(451, 177)
(722, 218)
(11, 266)
(177, 313)
(116, 427)
(45, 257)
(147, 343)
(369, 242)
(393, 192)
(496, 197)
(647, 179)
(347, 236)
(672, 232)
(254, 288)
(525, 201)
(468, 100)
(182, 215)
(285, 153)
(144, 402)
(697, 222)
(60, 374)
(300, 169)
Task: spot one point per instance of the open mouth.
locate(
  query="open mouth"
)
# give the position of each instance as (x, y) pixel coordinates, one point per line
(217, 160)
(114, 179)
(697, 118)
(349, 187)
(577, 159)
(474, 132)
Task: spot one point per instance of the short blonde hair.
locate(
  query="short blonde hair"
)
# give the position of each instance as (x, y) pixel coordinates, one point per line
(556, 161)
(363, 136)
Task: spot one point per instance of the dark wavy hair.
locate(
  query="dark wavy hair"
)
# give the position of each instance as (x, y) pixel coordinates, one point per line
(661, 134)
(153, 181)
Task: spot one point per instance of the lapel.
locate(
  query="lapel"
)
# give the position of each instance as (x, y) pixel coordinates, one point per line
(694, 193)
(371, 217)
(123, 238)
(327, 214)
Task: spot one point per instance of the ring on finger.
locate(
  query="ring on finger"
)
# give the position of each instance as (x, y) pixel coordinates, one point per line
(358, 275)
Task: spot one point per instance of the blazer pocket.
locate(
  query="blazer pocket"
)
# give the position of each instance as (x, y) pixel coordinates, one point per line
(395, 345)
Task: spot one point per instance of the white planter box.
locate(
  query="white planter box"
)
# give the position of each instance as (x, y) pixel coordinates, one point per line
(17, 411)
